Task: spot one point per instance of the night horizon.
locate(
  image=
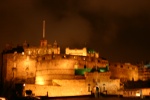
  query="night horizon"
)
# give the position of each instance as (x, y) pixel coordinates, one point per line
(118, 30)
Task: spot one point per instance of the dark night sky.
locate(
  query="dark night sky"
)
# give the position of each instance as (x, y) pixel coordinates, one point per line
(118, 29)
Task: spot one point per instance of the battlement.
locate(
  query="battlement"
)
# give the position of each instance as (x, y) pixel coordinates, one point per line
(124, 71)
(79, 52)
(41, 50)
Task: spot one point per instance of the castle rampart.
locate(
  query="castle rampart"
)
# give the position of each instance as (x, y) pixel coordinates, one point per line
(124, 71)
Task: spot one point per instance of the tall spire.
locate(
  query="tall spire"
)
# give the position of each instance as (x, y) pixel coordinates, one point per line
(43, 41)
(43, 28)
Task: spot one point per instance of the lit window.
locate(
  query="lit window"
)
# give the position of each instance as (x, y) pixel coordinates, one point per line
(24, 84)
(29, 52)
(84, 58)
(22, 53)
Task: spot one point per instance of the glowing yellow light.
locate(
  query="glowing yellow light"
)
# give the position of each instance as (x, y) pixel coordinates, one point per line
(22, 53)
(29, 52)
(24, 84)
(83, 58)
(137, 94)
(39, 80)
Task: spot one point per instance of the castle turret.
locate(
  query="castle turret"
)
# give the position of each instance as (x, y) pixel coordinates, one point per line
(55, 44)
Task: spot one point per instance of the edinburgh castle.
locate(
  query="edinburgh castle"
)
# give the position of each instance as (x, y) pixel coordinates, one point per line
(48, 72)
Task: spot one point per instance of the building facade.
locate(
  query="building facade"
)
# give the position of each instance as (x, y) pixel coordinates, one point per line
(47, 72)
(124, 71)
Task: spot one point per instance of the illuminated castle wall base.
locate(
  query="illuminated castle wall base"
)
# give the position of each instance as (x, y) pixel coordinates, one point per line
(56, 74)
(76, 87)
(63, 88)
(47, 72)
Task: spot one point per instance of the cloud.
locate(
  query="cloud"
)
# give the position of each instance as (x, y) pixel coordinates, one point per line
(123, 7)
(101, 24)
(110, 34)
(71, 30)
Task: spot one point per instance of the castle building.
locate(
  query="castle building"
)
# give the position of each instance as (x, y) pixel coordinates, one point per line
(51, 73)
(124, 71)
(46, 71)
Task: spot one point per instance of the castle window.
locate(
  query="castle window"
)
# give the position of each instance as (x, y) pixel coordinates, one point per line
(64, 56)
(84, 58)
(75, 57)
(94, 80)
(76, 66)
(53, 56)
(44, 58)
(84, 66)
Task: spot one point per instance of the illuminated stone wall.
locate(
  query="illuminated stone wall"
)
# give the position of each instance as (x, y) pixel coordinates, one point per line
(124, 71)
(74, 87)
(90, 62)
(146, 91)
(79, 52)
(22, 66)
(65, 88)
(139, 92)
(55, 74)
(98, 76)
(54, 69)
(56, 64)
(41, 50)
(60, 68)
(19, 67)
(103, 82)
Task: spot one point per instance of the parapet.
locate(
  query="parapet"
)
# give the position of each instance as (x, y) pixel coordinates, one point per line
(79, 52)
